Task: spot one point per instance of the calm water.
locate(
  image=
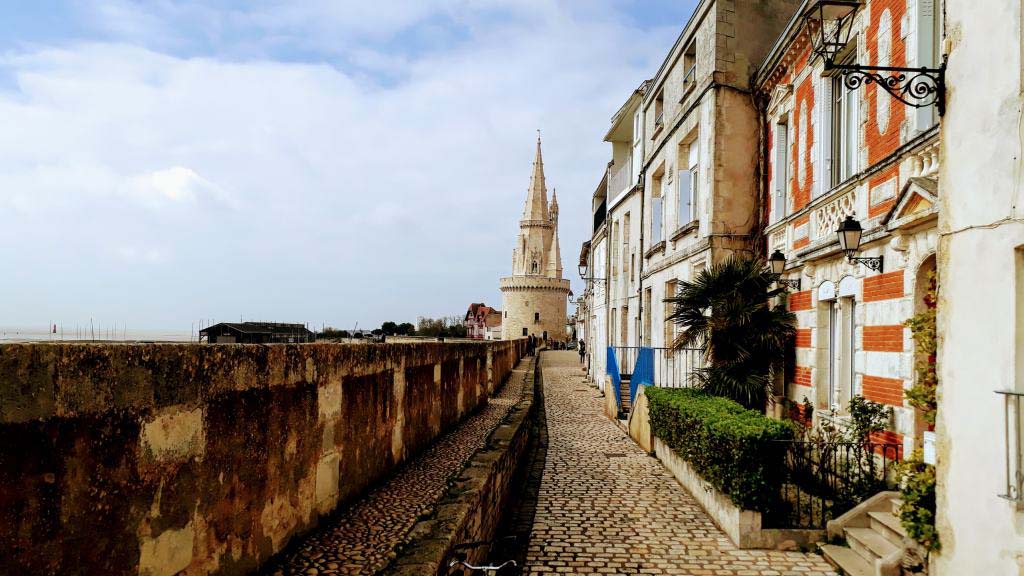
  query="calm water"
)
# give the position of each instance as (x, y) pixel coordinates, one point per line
(107, 333)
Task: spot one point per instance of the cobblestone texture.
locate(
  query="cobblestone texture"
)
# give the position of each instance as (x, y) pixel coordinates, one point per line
(606, 507)
(363, 538)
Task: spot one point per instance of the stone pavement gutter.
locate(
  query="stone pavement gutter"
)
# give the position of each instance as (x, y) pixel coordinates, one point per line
(472, 509)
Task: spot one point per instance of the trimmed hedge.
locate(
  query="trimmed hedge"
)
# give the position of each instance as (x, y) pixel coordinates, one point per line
(728, 445)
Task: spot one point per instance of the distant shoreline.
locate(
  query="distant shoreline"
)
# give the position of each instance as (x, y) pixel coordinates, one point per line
(11, 334)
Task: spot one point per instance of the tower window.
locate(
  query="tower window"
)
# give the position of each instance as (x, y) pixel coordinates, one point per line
(533, 267)
(524, 331)
(536, 316)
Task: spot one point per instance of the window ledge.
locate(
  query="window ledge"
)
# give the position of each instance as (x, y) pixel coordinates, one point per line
(685, 229)
(657, 130)
(659, 247)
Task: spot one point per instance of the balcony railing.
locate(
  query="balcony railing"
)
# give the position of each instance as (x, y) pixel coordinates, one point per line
(621, 179)
(668, 367)
(691, 75)
(1012, 434)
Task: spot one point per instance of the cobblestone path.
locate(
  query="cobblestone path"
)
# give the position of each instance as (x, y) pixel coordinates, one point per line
(605, 507)
(362, 540)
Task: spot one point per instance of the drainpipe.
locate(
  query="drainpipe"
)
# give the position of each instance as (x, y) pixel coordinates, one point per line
(758, 243)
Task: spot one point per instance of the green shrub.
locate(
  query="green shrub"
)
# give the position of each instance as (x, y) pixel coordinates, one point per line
(729, 446)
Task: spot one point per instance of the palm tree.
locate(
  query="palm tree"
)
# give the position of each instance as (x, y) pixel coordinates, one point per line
(725, 311)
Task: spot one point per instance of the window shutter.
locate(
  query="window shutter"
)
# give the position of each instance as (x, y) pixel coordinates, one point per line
(852, 133)
(656, 220)
(637, 155)
(685, 198)
(927, 55)
(780, 171)
(824, 136)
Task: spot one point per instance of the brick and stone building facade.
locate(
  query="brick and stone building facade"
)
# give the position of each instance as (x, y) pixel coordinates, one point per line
(481, 321)
(699, 160)
(534, 296)
(832, 152)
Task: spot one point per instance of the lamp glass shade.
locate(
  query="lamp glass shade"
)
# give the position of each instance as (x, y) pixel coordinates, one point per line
(830, 10)
(777, 261)
(849, 234)
(833, 30)
(583, 270)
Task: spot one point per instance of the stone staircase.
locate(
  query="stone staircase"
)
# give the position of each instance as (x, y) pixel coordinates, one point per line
(627, 404)
(875, 539)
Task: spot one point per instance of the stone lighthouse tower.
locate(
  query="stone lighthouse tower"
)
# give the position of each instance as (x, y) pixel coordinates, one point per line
(533, 298)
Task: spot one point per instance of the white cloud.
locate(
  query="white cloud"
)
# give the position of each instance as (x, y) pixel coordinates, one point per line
(176, 184)
(347, 198)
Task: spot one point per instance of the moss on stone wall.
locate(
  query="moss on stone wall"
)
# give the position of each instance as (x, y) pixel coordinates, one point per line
(129, 459)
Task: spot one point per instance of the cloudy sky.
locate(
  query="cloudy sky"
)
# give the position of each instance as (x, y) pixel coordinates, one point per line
(315, 161)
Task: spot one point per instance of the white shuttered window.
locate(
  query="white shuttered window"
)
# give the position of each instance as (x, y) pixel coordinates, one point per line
(780, 171)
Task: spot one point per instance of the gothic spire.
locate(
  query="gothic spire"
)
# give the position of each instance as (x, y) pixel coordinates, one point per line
(554, 256)
(537, 196)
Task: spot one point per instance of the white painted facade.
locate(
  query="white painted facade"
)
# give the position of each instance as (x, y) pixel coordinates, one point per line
(981, 305)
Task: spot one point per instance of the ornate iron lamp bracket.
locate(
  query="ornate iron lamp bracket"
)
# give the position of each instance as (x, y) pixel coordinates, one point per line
(794, 284)
(916, 87)
(874, 263)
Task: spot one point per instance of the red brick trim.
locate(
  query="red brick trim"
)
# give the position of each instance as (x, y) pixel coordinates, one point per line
(883, 338)
(883, 390)
(802, 376)
(800, 301)
(803, 337)
(888, 437)
(883, 286)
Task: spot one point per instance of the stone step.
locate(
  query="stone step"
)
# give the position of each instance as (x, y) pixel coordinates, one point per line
(870, 545)
(846, 560)
(896, 503)
(888, 525)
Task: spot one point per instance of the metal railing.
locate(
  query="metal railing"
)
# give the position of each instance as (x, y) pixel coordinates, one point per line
(1012, 437)
(691, 76)
(671, 368)
(823, 480)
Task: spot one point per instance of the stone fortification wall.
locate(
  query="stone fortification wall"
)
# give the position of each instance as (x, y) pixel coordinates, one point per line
(160, 458)
(477, 503)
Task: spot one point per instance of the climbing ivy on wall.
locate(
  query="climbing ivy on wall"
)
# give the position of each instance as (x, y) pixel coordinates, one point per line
(922, 394)
(917, 486)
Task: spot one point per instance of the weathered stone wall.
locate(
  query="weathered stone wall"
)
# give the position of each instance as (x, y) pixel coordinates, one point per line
(474, 506)
(158, 459)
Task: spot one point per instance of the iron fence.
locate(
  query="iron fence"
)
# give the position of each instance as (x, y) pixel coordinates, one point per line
(822, 480)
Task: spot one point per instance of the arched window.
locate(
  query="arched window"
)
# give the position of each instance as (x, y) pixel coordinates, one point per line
(533, 267)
